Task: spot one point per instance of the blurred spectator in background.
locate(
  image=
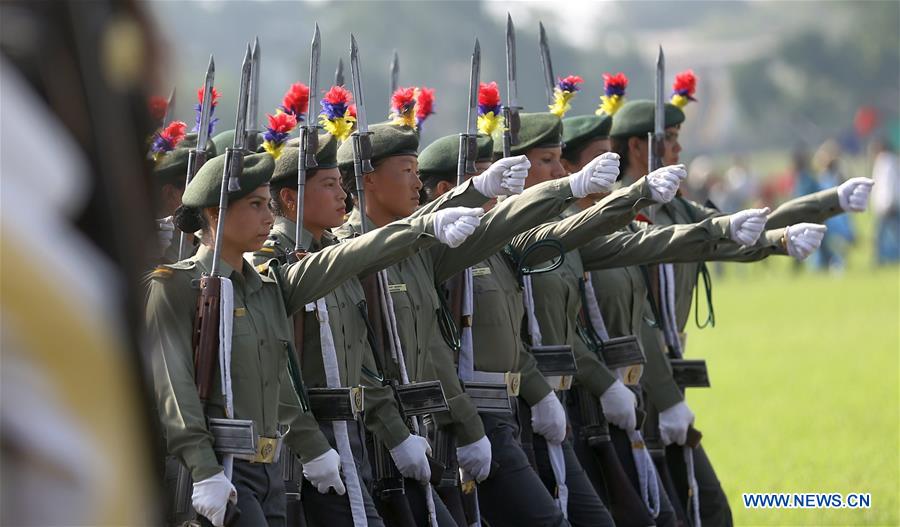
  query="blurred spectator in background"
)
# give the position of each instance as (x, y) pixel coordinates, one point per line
(886, 204)
(740, 186)
(832, 254)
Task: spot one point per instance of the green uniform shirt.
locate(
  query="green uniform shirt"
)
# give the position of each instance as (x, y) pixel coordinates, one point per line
(261, 335)
(348, 327)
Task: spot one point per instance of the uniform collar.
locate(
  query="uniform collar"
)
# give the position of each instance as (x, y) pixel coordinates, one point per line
(247, 277)
(287, 228)
(355, 222)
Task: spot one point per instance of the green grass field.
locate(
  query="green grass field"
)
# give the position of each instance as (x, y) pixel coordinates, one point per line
(805, 394)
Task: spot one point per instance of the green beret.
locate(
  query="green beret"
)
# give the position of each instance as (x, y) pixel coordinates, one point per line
(581, 129)
(387, 140)
(538, 130)
(441, 158)
(636, 118)
(223, 140)
(286, 164)
(204, 189)
(172, 166)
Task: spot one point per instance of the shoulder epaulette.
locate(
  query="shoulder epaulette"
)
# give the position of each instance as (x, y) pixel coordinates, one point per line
(266, 250)
(161, 271)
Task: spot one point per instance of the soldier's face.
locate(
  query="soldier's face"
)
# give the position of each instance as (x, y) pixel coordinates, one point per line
(394, 186)
(323, 201)
(248, 221)
(545, 165)
(673, 147)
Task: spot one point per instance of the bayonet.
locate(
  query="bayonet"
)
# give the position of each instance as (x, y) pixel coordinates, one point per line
(362, 141)
(546, 64)
(468, 141)
(511, 110)
(309, 139)
(253, 105)
(234, 158)
(339, 73)
(197, 155)
(657, 138)
(170, 108)
(395, 72)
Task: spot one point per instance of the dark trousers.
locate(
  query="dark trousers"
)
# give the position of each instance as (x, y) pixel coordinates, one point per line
(714, 508)
(514, 495)
(585, 506)
(260, 494)
(329, 509)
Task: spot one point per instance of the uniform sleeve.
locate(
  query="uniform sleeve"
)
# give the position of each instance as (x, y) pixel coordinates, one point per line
(608, 215)
(657, 379)
(770, 242)
(463, 417)
(169, 319)
(304, 437)
(592, 374)
(533, 386)
(464, 195)
(676, 243)
(514, 215)
(318, 273)
(815, 208)
(381, 416)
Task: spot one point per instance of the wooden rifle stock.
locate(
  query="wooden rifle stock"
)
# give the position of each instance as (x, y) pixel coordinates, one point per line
(206, 335)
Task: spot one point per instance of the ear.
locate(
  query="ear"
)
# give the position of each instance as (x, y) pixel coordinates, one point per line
(370, 181)
(286, 196)
(442, 188)
(634, 146)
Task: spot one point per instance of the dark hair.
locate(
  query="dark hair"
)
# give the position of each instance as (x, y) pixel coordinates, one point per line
(190, 219)
(573, 153)
(619, 145)
(429, 185)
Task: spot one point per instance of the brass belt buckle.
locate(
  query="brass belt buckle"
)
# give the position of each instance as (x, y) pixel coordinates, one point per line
(266, 450)
(513, 382)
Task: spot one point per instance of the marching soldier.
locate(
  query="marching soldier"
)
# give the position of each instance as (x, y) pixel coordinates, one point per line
(261, 349)
(629, 134)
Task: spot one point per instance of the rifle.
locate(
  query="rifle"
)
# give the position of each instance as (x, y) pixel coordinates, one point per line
(339, 73)
(229, 434)
(197, 155)
(546, 63)
(390, 483)
(253, 130)
(170, 108)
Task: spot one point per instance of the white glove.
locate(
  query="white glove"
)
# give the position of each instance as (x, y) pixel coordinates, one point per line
(664, 182)
(746, 226)
(803, 239)
(618, 403)
(599, 175)
(674, 423)
(452, 226)
(324, 472)
(475, 458)
(503, 178)
(165, 231)
(211, 496)
(548, 418)
(853, 194)
(409, 456)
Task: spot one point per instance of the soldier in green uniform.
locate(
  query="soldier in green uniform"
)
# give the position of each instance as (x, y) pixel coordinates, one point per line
(261, 340)
(169, 174)
(345, 311)
(785, 235)
(514, 494)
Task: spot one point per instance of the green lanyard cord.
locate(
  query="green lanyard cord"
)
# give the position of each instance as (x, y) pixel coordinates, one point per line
(703, 272)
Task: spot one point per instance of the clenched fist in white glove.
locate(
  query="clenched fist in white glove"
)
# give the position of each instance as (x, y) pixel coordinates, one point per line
(475, 458)
(599, 175)
(853, 194)
(324, 472)
(803, 239)
(409, 456)
(664, 182)
(505, 177)
(211, 496)
(746, 226)
(452, 226)
(618, 403)
(674, 424)
(548, 418)
(165, 231)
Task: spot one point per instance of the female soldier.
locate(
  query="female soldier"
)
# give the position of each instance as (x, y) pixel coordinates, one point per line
(261, 341)
(629, 138)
